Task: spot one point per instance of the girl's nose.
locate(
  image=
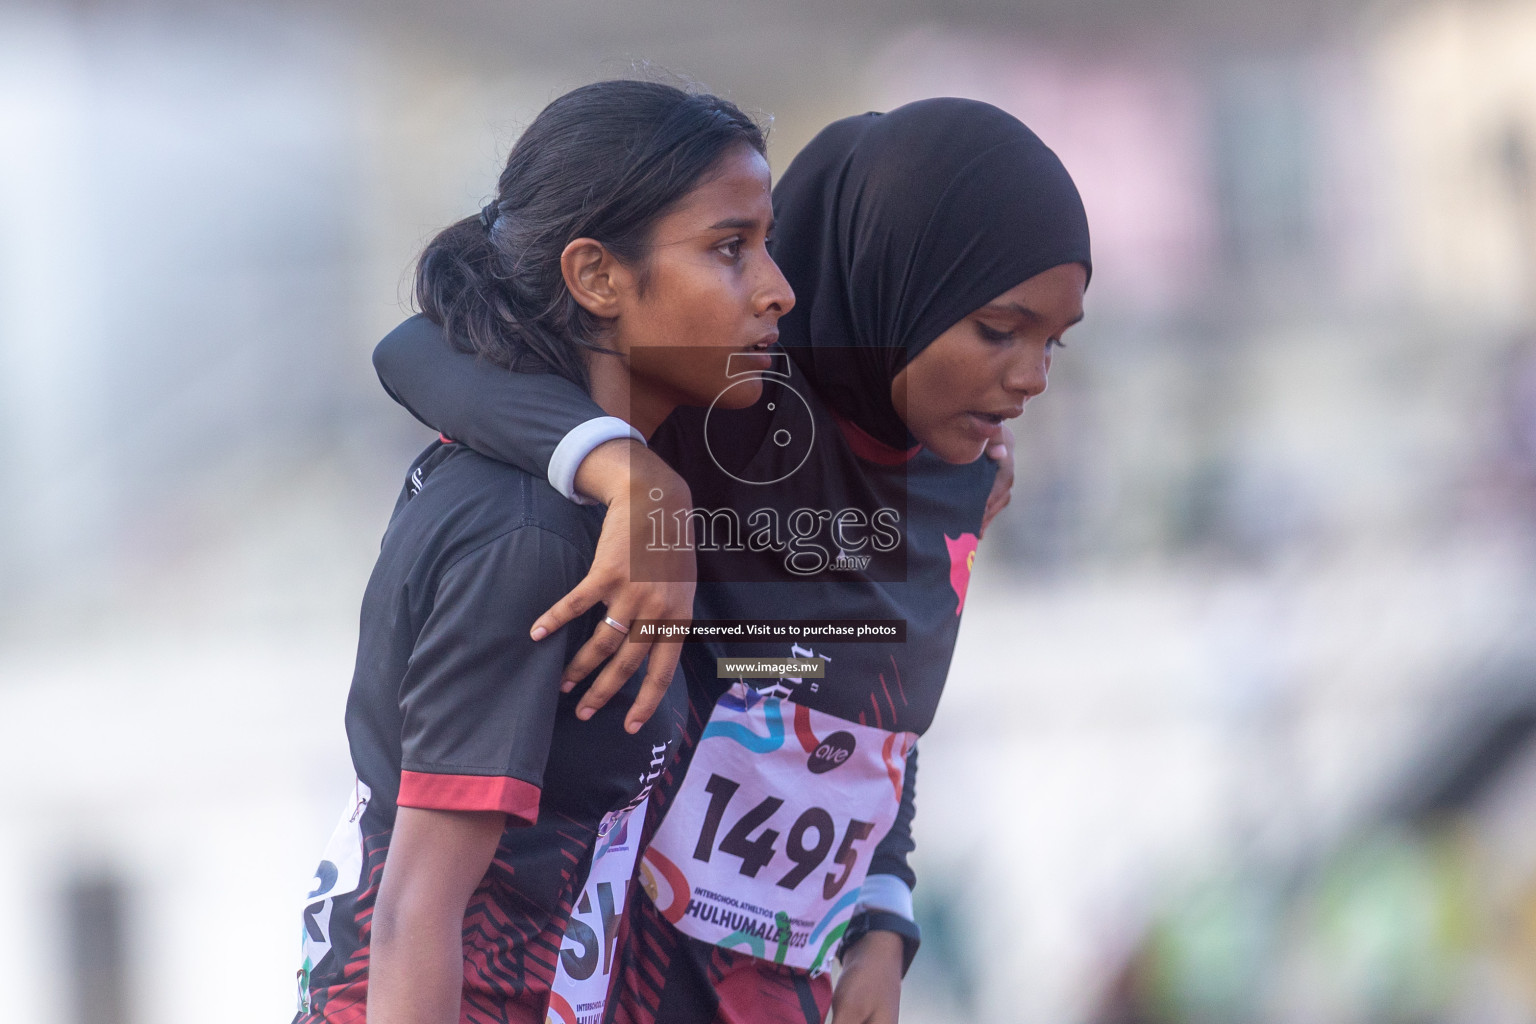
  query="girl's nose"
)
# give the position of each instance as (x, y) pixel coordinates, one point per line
(1029, 373)
(774, 293)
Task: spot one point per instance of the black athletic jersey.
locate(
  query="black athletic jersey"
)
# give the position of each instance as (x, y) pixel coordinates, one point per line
(926, 516)
(918, 518)
(453, 707)
(849, 530)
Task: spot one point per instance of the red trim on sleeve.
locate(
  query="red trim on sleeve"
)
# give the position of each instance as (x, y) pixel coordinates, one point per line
(433, 792)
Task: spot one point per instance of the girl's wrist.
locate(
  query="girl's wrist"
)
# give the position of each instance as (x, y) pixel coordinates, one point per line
(605, 474)
(889, 930)
(626, 471)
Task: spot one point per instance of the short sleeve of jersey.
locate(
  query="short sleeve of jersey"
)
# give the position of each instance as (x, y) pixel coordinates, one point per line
(479, 697)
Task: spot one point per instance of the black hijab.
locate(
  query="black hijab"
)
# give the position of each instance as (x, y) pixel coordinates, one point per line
(893, 227)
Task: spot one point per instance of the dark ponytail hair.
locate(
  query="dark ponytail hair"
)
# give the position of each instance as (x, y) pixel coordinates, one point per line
(604, 161)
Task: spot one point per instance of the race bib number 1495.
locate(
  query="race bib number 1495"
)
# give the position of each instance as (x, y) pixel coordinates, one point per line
(768, 840)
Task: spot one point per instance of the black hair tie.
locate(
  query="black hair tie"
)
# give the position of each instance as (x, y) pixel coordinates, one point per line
(488, 214)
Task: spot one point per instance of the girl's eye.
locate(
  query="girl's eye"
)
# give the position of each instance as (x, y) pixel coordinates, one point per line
(1054, 343)
(731, 248)
(992, 333)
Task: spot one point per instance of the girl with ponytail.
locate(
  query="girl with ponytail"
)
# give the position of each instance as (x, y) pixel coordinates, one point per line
(939, 251)
(626, 252)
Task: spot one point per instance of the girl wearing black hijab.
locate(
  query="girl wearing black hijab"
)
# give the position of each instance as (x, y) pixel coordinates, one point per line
(937, 252)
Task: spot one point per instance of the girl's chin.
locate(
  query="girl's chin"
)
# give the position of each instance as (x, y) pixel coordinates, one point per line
(741, 395)
(962, 439)
(958, 450)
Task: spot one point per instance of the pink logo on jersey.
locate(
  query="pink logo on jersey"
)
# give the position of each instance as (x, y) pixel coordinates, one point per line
(962, 556)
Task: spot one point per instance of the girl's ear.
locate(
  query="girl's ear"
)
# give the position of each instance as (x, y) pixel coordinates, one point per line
(596, 280)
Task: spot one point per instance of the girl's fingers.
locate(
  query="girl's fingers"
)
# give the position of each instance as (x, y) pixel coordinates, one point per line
(626, 654)
(612, 679)
(1002, 484)
(658, 677)
(603, 644)
(569, 608)
(606, 580)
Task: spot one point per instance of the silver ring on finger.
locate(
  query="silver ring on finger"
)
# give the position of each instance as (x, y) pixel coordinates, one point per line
(616, 624)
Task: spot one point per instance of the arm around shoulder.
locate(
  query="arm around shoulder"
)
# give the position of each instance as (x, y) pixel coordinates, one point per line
(520, 418)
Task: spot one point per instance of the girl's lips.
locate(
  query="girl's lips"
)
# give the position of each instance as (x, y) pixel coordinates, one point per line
(755, 358)
(983, 425)
(752, 360)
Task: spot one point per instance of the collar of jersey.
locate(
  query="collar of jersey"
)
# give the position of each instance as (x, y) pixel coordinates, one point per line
(871, 450)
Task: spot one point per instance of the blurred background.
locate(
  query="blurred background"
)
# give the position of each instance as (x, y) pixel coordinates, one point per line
(1242, 727)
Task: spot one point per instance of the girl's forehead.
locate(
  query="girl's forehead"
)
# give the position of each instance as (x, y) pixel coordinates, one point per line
(736, 195)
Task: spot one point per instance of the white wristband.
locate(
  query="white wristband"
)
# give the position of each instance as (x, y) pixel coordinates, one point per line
(577, 445)
(888, 893)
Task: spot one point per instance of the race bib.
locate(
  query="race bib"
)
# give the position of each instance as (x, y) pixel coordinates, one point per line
(768, 841)
(586, 957)
(338, 875)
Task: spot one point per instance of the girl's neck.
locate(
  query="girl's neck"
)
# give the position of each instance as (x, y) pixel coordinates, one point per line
(620, 395)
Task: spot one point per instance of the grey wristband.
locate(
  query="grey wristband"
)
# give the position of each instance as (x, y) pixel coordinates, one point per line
(577, 445)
